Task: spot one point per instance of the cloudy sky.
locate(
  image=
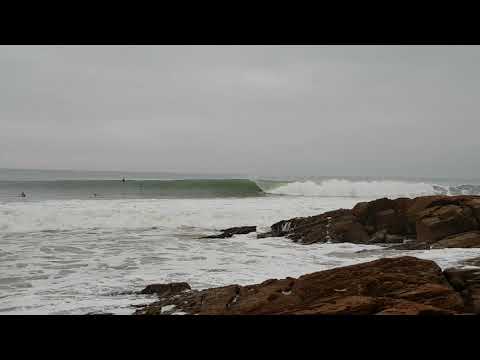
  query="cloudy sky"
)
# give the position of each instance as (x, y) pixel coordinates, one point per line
(266, 110)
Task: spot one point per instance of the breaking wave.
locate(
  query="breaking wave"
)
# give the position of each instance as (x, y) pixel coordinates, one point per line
(374, 189)
(222, 188)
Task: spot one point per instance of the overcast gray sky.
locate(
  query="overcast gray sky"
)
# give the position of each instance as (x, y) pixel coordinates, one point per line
(266, 110)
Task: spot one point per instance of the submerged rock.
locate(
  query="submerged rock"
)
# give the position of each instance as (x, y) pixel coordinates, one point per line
(411, 245)
(402, 285)
(227, 233)
(166, 289)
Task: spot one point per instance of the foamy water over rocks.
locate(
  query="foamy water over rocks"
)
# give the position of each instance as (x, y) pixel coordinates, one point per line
(83, 256)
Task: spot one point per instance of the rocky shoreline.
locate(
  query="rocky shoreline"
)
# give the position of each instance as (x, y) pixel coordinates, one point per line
(423, 222)
(389, 286)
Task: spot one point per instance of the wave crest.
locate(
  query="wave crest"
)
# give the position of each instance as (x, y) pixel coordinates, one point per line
(347, 188)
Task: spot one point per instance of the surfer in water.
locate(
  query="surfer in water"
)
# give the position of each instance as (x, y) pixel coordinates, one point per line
(123, 180)
(23, 194)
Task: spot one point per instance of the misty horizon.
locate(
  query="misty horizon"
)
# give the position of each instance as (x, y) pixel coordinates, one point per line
(178, 175)
(367, 111)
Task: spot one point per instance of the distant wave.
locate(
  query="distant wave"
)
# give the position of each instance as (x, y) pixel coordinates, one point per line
(222, 188)
(380, 188)
(131, 189)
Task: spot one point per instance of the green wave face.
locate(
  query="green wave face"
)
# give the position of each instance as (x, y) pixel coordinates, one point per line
(267, 185)
(201, 188)
(115, 189)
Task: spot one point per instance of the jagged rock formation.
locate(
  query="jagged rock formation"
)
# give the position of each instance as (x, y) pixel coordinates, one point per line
(402, 285)
(431, 221)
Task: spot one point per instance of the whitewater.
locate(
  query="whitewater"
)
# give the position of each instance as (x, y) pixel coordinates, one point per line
(63, 251)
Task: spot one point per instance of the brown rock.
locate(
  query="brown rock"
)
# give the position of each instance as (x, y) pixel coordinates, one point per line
(349, 231)
(438, 222)
(474, 205)
(402, 205)
(375, 207)
(424, 202)
(356, 225)
(360, 211)
(465, 240)
(431, 294)
(367, 288)
(409, 308)
(467, 283)
(421, 203)
(390, 221)
(336, 226)
(427, 219)
(383, 214)
(349, 305)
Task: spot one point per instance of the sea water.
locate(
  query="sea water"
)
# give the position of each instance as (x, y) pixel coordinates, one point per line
(84, 242)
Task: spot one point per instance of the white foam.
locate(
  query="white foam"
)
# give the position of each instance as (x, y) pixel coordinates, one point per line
(108, 247)
(167, 308)
(63, 215)
(347, 188)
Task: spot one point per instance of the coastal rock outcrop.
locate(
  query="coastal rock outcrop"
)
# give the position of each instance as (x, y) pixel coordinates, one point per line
(402, 285)
(430, 221)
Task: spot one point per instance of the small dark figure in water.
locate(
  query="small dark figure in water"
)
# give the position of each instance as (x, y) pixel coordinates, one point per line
(123, 180)
(23, 194)
(94, 195)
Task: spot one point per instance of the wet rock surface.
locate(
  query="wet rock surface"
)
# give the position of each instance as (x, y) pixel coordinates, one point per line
(411, 245)
(390, 286)
(166, 289)
(227, 233)
(438, 221)
(463, 240)
(467, 283)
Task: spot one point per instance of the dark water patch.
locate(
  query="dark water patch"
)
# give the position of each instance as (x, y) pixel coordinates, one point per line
(40, 277)
(8, 309)
(65, 267)
(11, 280)
(153, 260)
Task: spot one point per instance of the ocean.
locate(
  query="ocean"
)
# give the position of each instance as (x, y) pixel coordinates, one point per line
(82, 241)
